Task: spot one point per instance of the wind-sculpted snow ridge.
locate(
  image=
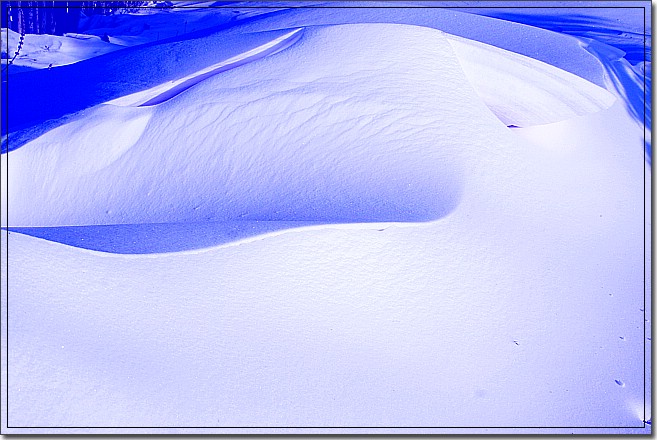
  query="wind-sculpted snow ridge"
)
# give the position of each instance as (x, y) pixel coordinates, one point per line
(166, 91)
(323, 132)
(327, 134)
(45, 102)
(523, 92)
(559, 50)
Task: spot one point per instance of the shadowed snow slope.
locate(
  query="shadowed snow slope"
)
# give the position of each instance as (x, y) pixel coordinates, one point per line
(348, 125)
(522, 91)
(41, 100)
(149, 238)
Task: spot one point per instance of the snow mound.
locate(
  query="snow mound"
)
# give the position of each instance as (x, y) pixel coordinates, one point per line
(330, 133)
(344, 143)
(529, 290)
(105, 78)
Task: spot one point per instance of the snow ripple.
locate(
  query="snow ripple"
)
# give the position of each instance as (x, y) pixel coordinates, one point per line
(325, 135)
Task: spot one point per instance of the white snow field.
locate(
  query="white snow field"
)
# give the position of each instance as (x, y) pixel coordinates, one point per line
(350, 221)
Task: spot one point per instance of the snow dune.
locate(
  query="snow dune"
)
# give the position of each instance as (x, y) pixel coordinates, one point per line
(332, 143)
(105, 78)
(254, 164)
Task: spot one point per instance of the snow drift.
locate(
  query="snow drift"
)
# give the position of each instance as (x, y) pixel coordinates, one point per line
(105, 78)
(379, 248)
(318, 142)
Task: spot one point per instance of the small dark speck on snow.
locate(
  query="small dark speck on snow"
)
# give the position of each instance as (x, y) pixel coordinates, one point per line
(619, 382)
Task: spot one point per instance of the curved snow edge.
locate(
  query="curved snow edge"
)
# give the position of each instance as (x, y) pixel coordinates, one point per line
(522, 91)
(167, 91)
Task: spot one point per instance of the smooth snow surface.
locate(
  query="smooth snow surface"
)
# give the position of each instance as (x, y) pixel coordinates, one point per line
(328, 220)
(524, 92)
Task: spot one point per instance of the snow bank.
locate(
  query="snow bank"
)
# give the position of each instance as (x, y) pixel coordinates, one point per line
(333, 139)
